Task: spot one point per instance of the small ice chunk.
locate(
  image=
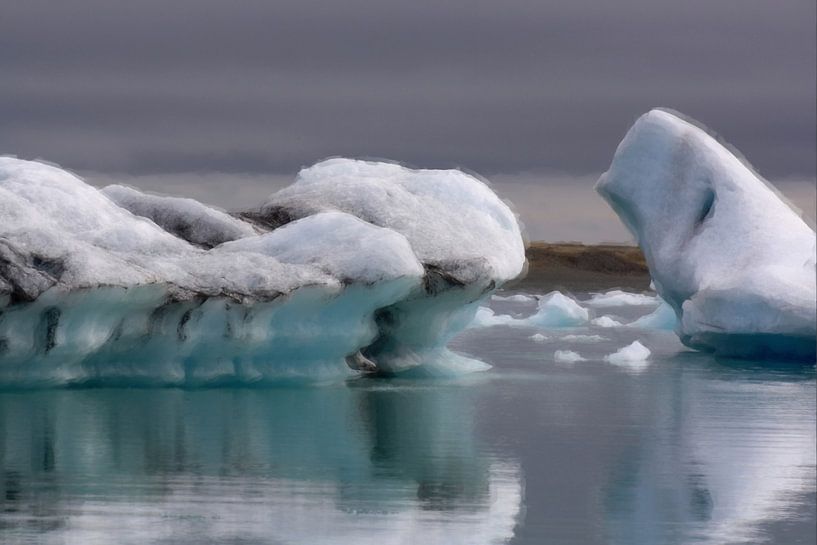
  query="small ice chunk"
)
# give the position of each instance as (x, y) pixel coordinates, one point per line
(567, 356)
(538, 337)
(485, 317)
(583, 338)
(619, 298)
(661, 318)
(558, 310)
(632, 353)
(518, 298)
(605, 321)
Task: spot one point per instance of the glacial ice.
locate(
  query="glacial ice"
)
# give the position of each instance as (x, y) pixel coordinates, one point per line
(662, 317)
(516, 298)
(725, 251)
(554, 310)
(456, 225)
(619, 298)
(583, 338)
(486, 317)
(116, 286)
(334, 243)
(558, 310)
(567, 356)
(605, 321)
(186, 218)
(632, 353)
(570, 337)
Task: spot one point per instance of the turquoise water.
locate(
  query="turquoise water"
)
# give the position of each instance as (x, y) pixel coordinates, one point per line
(684, 449)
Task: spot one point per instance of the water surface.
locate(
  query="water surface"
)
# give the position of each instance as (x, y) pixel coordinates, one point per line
(684, 449)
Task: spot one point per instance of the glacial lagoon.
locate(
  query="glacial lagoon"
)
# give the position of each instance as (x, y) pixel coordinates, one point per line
(680, 448)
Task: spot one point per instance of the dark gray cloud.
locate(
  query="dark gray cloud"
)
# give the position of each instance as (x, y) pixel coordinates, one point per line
(258, 87)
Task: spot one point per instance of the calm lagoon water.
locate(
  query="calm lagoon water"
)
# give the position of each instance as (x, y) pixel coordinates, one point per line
(685, 449)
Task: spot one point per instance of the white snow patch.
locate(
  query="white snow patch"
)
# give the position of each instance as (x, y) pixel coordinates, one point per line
(449, 217)
(340, 245)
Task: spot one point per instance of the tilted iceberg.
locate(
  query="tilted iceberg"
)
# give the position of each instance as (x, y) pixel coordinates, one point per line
(735, 262)
(367, 264)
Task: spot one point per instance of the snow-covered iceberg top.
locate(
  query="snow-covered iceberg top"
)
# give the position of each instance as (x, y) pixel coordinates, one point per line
(115, 284)
(456, 225)
(732, 258)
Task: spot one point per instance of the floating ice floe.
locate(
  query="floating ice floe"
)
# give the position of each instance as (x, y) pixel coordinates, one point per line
(517, 298)
(632, 354)
(573, 338)
(729, 255)
(619, 298)
(567, 356)
(485, 317)
(553, 311)
(583, 338)
(662, 317)
(367, 264)
(558, 310)
(605, 321)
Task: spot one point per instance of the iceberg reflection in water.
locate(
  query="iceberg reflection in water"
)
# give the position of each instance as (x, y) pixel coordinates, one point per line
(688, 449)
(319, 465)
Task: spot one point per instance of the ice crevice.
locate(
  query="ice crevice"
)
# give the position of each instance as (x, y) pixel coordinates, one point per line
(358, 266)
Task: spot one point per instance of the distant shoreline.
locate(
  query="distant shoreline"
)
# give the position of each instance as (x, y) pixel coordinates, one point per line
(580, 267)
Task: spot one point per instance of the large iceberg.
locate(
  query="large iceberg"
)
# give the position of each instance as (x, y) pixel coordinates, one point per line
(368, 267)
(732, 258)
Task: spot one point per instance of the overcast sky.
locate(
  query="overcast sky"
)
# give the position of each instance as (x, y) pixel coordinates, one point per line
(226, 100)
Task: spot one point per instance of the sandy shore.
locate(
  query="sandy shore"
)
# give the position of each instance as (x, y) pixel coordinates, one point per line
(579, 267)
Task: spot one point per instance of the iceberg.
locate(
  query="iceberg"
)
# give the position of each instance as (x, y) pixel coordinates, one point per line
(734, 261)
(116, 286)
